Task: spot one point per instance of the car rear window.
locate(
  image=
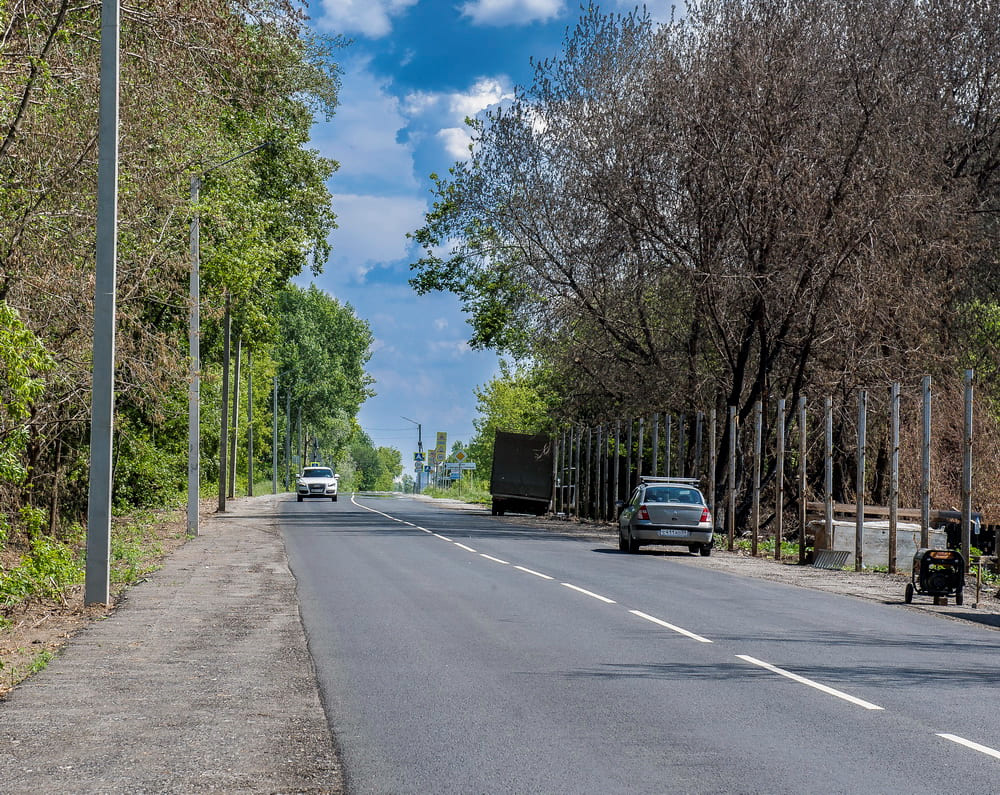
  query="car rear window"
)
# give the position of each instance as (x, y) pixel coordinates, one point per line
(674, 494)
(317, 473)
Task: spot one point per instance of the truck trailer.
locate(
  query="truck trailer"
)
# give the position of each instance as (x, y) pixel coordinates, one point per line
(521, 481)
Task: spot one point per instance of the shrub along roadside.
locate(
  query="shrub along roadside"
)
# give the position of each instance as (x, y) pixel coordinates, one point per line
(41, 586)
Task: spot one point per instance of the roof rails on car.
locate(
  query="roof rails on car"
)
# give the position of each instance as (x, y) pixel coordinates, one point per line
(653, 479)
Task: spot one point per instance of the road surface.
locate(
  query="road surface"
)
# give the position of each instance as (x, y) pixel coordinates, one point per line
(457, 653)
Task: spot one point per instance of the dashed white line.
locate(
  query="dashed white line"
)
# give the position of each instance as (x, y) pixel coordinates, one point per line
(463, 546)
(536, 573)
(802, 680)
(495, 560)
(673, 627)
(591, 593)
(443, 538)
(983, 749)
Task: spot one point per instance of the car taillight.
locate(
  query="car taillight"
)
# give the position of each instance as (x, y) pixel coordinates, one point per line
(643, 513)
(706, 516)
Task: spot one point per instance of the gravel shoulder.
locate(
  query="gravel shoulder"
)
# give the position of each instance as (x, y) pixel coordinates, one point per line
(199, 681)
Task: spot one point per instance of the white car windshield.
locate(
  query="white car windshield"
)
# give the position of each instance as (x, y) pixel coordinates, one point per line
(317, 473)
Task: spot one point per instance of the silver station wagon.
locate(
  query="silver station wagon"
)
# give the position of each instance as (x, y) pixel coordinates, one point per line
(666, 511)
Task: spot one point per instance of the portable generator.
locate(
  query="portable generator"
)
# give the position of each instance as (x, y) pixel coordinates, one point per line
(937, 572)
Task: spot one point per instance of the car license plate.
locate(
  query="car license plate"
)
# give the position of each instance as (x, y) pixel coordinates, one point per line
(669, 532)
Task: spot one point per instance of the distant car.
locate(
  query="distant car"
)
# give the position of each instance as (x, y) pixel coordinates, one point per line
(666, 511)
(316, 482)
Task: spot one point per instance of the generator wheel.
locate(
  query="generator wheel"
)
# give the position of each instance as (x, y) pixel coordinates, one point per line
(958, 597)
(908, 593)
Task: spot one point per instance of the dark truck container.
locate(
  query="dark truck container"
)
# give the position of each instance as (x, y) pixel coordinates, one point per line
(521, 481)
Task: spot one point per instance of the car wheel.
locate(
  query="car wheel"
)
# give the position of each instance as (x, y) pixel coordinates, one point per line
(908, 593)
(622, 543)
(633, 544)
(706, 550)
(958, 597)
(298, 497)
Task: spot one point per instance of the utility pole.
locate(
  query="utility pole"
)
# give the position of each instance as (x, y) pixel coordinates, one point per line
(224, 430)
(97, 582)
(274, 440)
(288, 439)
(249, 422)
(420, 451)
(236, 418)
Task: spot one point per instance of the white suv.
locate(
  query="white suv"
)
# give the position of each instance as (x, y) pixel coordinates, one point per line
(316, 482)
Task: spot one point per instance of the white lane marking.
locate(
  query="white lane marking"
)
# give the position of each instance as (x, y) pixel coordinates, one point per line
(536, 573)
(983, 749)
(591, 593)
(495, 560)
(443, 538)
(673, 627)
(418, 527)
(802, 680)
(463, 546)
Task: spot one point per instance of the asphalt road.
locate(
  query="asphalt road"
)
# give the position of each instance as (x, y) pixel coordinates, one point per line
(456, 653)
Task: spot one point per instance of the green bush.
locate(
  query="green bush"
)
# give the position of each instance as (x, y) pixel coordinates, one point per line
(47, 571)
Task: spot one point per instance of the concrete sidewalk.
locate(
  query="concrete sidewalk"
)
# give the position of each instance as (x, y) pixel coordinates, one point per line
(200, 682)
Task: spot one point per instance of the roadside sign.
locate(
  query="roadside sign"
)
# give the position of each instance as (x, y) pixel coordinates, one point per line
(455, 476)
(460, 456)
(418, 457)
(451, 465)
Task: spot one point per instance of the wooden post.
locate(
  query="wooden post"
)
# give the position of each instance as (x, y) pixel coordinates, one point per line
(667, 442)
(967, 472)
(731, 518)
(682, 445)
(925, 467)
(779, 483)
(802, 480)
(655, 468)
(758, 427)
(828, 470)
(712, 461)
(893, 473)
(859, 519)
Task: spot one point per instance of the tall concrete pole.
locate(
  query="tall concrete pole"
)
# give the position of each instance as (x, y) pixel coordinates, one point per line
(893, 473)
(97, 581)
(249, 422)
(194, 364)
(274, 440)
(224, 429)
(235, 418)
(779, 483)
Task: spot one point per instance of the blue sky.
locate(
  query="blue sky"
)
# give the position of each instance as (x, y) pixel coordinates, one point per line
(412, 73)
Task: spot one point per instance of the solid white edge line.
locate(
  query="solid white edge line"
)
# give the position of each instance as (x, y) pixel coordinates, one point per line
(673, 627)
(802, 680)
(463, 546)
(590, 593)
(536, 573)
(443, 538)
(495, 560)
(983, 749)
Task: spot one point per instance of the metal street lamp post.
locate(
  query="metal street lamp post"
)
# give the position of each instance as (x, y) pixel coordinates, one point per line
(194, 345)
(420, 450)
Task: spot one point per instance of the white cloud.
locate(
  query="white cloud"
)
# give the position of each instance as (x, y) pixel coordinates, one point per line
(456, 106)
(440, 324)
(372, 230)
(372, 18)
(484, 93)
(512, 12)
(456, 141)
(362, 136)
